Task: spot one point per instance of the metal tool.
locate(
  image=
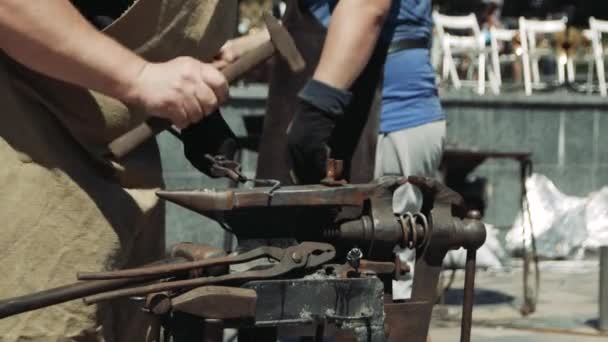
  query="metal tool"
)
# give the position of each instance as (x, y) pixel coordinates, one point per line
(352, 217)
(226, 168)
(62, 294)
(307, 255)
(280, 43)
(439, 227)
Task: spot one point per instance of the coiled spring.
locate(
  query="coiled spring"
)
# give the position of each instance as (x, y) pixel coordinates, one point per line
(415, 229)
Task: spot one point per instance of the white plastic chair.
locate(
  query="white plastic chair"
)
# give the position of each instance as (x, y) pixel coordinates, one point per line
(500, 35)
(596, 29)
(531, 53)
(466, 45)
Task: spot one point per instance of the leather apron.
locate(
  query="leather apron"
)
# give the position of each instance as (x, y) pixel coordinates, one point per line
(59, 214)
(354, 139)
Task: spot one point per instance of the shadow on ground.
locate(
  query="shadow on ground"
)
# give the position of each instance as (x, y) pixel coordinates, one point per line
(482, 297)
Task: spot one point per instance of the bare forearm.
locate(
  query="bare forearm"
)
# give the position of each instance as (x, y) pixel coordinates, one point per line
(52, 37)
(353, 33)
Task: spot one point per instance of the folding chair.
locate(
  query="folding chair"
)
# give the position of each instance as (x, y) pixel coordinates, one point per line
(471, 45)
(500, 35)
(596, 29)
(531, 52)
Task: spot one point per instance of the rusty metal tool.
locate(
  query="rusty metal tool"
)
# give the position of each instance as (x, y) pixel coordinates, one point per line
(227, 168)
(280, 43)
(163, 271)
(307, 255)
(203, 201)
(62, 294)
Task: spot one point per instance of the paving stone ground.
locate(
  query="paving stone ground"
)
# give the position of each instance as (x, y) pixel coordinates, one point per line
(567, 309)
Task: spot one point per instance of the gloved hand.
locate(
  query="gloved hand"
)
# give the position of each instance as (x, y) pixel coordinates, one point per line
(319, 108)
(210, 136)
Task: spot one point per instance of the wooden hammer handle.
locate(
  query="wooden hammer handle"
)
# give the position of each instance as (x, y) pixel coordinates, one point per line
(126, 143)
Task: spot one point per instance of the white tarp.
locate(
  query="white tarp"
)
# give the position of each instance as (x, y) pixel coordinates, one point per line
(563, 225)
(596, 217)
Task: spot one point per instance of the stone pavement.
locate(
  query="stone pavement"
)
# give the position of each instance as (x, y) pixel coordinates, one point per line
(567, 309)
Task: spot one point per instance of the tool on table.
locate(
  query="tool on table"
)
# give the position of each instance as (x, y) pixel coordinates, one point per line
(280, 43)
(337, 277)
(307, 255)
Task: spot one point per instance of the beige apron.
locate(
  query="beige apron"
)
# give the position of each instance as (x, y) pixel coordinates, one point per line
(59, 214)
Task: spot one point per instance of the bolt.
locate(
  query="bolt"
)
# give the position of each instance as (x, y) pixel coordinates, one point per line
(354, 258)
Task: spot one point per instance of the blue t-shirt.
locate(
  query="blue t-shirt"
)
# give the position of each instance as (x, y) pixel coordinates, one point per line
(409, 96)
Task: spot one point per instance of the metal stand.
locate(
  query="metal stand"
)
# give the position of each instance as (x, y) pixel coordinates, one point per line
(603, 303)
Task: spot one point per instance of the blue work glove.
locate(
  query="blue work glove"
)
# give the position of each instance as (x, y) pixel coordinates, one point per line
(320, 107)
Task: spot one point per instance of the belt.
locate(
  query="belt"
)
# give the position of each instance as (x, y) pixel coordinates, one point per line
(406, 44)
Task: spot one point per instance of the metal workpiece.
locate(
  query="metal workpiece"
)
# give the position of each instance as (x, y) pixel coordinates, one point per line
(334, 280)
(66, 293)
(313, 255)
(197, 252)
(208, 201)
(353, 306)
(603, 290)
(217, 302)
(58, 295)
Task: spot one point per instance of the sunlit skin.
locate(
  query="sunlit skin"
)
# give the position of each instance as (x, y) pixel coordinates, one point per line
(351, 38)
(52, 38)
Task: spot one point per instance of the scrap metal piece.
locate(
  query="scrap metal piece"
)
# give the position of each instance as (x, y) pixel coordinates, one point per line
(313, 254)
(334, 176)
(197, 252)
(217, 302)
(38, 300)
(162, 271)
(205, 201)
(354, 305)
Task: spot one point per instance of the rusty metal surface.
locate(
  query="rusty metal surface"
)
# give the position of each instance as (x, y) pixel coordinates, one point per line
(162, 271)
(62, 294)
(194, 252)
(305, 255)
(58, 295)
(205, 201)
(356, 305)
(335, 173)
(468, 300)
(300, 285)
(218, 302)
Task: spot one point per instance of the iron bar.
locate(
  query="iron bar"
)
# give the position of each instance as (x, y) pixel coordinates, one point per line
(469, 296)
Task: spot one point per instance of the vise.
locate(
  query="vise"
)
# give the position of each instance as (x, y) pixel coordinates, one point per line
(333, 279)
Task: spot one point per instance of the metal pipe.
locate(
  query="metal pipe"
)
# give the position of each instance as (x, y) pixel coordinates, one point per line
(66, 293)
(58, 295)
(469, 296)
(603, 303)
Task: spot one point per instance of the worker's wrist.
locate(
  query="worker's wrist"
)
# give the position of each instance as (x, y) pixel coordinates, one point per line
(330, 100)
(128, 89)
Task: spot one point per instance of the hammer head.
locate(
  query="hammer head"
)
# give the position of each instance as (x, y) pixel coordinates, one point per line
(284, 44)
